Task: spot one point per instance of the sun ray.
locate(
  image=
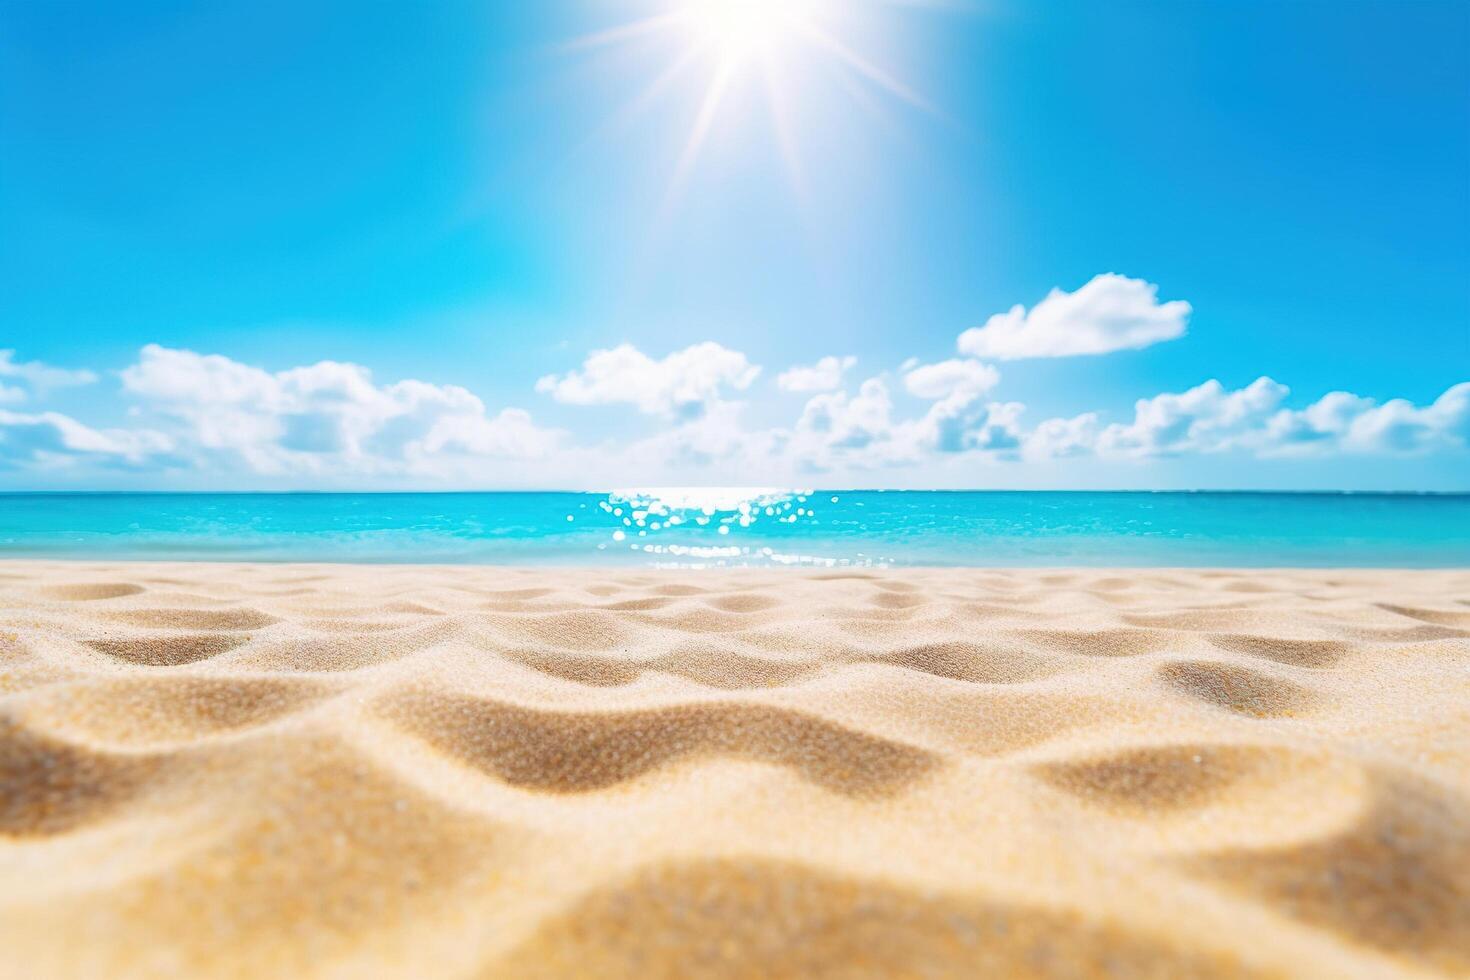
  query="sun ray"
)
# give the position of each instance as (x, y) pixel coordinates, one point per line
(640, 102)
(866, 68)
(781, 121)
(624, 32)
(756, 39)
(708, 109)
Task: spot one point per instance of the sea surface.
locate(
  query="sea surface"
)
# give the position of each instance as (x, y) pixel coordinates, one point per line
(742, 526)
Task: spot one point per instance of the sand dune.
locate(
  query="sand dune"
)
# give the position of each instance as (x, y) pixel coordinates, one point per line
(286, 770)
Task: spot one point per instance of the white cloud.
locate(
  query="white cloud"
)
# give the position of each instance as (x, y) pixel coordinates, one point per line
(838, 422)
(825, 375)
(1110, 313)
(50, 440)
(958, 420)
(1341, 421)
(1062, 438)
(1206, 418)
(39, 377)
(954, 426)
(332, 423)
(837, 430)
(717, 438)
(325, 417)
(955, 377)
(683, 385)
(510, 433)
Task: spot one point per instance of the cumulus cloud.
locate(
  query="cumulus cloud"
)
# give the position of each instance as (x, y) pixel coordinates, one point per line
(1062, 438)
(842, 422)
(716, 439)
(324, 417)
(1342, 421)
(52, 440)
(1209, 418)
(957, 427)
(1109, 313)
(39, 377)
(958, 420)
(839, 430)
(950, 378)
(333, 421)
(1206, 418)
(825, 375)
(681, 385)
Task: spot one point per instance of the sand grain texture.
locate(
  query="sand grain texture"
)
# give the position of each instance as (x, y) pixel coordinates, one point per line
(287, 770)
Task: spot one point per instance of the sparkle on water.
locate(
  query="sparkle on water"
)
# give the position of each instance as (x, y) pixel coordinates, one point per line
(732, 526)
(653, 511)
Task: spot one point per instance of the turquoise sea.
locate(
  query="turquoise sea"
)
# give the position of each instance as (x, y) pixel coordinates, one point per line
(736, 526)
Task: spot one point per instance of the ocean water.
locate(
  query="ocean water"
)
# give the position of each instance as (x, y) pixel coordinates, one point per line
(742, 526)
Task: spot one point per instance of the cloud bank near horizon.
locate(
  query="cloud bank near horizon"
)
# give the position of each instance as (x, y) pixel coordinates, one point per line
(333, 423)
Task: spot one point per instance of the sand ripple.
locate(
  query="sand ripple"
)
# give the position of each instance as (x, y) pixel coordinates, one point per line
(215, 770)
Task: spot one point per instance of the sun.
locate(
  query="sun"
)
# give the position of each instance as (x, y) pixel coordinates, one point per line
(752, 42)
(739, 29)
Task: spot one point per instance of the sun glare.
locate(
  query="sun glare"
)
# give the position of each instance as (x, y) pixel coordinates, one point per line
(750, 42)
(737, 29)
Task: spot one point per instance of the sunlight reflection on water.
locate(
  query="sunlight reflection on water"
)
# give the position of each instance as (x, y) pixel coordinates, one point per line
(643, 518)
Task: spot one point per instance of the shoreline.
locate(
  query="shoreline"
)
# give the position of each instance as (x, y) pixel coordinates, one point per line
(775, 569)
(227, 768)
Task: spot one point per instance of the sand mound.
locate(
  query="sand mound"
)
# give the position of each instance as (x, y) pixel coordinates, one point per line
(169, 650)
(470, 772)
(760, 919)
(92, 590)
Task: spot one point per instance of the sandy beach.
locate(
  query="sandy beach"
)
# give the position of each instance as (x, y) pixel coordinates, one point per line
(297, 770)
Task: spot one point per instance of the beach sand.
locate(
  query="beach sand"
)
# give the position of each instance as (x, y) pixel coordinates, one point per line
(293, 770)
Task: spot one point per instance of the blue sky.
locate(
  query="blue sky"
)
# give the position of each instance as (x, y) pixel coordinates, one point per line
(458, 206)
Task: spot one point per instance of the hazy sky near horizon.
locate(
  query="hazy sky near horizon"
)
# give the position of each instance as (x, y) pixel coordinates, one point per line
(589, 244)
